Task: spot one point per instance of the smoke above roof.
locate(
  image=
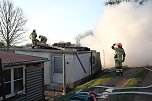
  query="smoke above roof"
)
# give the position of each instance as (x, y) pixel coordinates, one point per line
(126, 23)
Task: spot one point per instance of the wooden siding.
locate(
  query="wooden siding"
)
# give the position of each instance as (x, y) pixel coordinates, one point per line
(34, 83)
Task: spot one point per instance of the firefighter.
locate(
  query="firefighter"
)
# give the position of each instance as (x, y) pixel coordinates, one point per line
(43, 39)
(33, 36)
(119, 58)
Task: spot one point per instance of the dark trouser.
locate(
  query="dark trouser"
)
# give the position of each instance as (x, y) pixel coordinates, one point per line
(34, 42)
(119, 69)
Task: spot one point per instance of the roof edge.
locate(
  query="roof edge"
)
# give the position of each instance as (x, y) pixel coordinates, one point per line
(24, 63)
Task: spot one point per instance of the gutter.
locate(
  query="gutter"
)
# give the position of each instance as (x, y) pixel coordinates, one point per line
(24, 62)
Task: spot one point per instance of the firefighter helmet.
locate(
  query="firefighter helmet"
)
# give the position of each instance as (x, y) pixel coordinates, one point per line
(119, 44)
(34, 30)
(40, 36)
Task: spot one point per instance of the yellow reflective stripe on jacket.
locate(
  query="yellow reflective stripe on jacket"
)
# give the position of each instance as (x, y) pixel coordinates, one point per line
(119, 59)
(119, 56)
(119, 70)
(119, 53)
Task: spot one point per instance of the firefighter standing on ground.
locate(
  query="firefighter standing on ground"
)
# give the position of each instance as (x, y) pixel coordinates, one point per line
(119, 57)
(33, 36)
(43, 39)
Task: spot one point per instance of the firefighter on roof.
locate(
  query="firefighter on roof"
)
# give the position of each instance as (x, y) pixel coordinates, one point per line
(43, 39)
(33, 36)
(119, 57)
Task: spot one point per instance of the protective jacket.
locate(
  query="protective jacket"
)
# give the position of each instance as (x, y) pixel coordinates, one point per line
(33, 36)
(119, 53)
(43, 39)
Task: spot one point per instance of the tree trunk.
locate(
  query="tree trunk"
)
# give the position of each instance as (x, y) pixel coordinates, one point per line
(7, 46)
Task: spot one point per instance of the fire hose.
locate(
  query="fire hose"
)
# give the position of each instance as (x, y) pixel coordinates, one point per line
(110, 90)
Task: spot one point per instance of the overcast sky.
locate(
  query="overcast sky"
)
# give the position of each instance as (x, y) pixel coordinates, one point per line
(60, 20)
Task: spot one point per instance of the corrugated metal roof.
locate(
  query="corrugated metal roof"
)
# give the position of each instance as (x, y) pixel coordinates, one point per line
(14, 58)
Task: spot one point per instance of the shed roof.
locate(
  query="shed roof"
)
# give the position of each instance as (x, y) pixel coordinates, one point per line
(8, 58)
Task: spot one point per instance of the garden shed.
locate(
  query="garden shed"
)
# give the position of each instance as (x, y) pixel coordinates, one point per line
(67, 65)
(21, 77)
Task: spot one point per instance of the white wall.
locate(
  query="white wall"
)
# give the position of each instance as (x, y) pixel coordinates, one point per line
(74, 70)
(69, 68)
(77, 68)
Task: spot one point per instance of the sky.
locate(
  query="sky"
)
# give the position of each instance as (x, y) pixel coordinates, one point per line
(126, 23)
(60, 20)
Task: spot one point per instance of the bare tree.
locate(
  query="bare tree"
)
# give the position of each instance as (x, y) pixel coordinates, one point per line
(81, 36)
(116, 2)
(112, 2)
(12, 22)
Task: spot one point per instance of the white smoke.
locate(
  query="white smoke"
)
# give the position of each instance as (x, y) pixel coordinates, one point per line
(129, 24)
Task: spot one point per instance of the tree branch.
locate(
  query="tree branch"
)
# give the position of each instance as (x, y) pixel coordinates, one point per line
(12, 23)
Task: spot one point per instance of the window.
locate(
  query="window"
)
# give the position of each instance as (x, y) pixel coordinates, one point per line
(7, 80)
(58, 64)
(18, 79)
(14, 80)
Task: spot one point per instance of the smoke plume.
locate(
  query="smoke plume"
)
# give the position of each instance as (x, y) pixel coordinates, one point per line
(129, 24)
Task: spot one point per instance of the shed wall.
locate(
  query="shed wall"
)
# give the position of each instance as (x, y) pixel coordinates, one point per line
(73, 69)
(34, 83)
(79, 73)
(69, 66)
(47, 65)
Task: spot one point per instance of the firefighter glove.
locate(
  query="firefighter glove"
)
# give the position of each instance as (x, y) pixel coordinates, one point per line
(123, 60)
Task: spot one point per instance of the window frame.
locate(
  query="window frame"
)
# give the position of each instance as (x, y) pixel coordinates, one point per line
(13, 81)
